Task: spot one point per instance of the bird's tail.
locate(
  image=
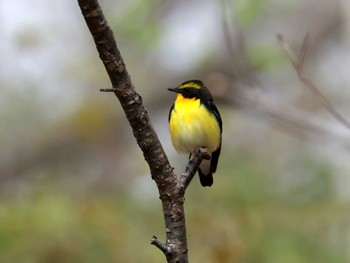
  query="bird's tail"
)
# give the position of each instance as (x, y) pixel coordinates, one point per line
(205, 179)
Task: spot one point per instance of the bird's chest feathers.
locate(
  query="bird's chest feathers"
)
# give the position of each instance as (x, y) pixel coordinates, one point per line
(192, 126)
(188, 111)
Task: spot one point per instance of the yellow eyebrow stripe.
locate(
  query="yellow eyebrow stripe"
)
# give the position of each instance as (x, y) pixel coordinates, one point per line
(190, 85)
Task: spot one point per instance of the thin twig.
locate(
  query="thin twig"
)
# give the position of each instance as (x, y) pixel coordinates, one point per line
(192, 166)
(298, 64)
(240, 63)
(228, 35)
(165, 248)
(303, 52)
(108, 90)
(286, 48)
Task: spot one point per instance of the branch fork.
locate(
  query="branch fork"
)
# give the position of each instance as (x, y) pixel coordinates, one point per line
(183, 181)
(193, 165)
(298, 62)
(171, 187)
(165, 248)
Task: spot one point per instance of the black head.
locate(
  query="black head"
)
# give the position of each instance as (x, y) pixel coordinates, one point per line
(193, 89)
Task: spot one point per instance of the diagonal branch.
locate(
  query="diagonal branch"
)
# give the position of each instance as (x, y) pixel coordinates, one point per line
(171, 190)
(123, 88)
(298, 64)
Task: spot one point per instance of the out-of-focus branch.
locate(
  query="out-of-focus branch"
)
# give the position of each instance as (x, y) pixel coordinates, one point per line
(239, 97)
(240, 64)
(227, 24)
(290, 121)
(298, 64)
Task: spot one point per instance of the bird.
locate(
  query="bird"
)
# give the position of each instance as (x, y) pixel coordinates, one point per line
(195, 121)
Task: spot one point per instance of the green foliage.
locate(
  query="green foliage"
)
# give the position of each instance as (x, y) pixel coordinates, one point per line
(252, 219)
(56, 227)
(247, 216)
(247, 11)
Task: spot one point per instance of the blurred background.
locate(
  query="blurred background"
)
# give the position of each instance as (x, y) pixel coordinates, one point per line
(74, 186)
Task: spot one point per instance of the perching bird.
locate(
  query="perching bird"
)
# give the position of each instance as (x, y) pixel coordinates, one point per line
(195, 122)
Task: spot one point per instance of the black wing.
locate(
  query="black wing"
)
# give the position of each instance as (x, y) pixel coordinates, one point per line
(171, 109)
(215, 158)
(210, 105)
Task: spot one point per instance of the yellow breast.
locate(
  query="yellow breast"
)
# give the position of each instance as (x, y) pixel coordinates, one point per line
(192, 126)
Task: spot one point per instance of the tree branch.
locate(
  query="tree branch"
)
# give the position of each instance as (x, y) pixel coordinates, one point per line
(193, 165)
(171, 189)
(298, 64)
(130, 100)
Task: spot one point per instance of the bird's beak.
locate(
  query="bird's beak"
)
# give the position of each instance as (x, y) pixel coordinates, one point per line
(174, 90)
